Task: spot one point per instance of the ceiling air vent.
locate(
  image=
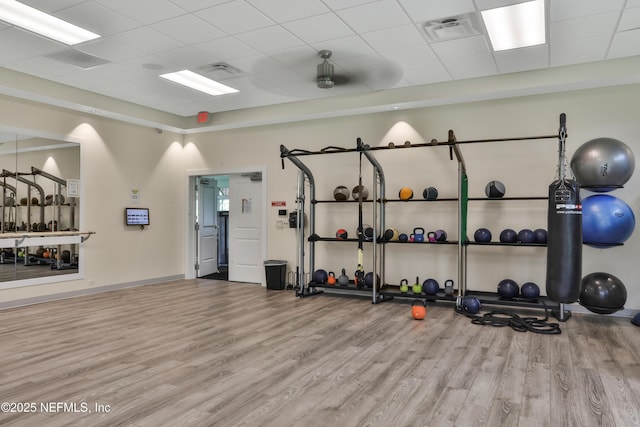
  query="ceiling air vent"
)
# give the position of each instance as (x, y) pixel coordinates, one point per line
(78, 58)
(221, 70)
(451, 28)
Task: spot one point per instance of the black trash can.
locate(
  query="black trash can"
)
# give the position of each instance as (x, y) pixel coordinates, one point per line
(276, 273)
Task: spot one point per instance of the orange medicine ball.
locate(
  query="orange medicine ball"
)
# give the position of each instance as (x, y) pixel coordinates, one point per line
(405, 193)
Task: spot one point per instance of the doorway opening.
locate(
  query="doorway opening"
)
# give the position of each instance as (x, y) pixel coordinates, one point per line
(227, 214)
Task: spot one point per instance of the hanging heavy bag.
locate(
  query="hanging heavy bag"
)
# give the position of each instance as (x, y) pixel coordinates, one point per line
(564, 237)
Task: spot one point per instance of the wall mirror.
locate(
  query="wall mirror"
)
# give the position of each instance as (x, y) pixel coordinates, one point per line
(39, 182)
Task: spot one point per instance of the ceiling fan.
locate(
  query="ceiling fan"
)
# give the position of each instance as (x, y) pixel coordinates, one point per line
(326, 77)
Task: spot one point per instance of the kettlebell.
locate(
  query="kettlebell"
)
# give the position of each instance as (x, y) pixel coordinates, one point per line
(403, 237)
(418, 309)
(331, 279)
(343, 279)
(448, 287)
(404, 286)
(418, 234)
(431, 236)
(417, 287)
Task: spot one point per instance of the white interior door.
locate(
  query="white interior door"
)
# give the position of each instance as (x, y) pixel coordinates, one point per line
(207, 227)
(245, 230)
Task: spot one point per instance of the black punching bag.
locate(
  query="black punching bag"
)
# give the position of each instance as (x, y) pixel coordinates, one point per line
(564, 241)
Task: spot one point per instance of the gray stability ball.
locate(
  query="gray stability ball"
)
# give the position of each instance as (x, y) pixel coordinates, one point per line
(603, 164)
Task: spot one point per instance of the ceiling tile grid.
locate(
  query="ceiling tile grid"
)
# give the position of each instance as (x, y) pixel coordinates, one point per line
(272, 46)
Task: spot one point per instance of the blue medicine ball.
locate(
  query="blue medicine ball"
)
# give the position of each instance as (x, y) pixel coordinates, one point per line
(540, 235)
(606, 220)
(430, 286)
(508, 289)
(529, 290)
(471, 305)
(320, 276)
(482, 235)
(508, 236)
(526, 236)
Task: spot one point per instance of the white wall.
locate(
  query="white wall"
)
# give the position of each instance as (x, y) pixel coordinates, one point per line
(117, 157)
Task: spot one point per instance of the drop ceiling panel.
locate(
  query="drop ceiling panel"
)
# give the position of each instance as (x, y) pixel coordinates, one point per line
(394, 38)
(270, 39)
(97, 18)
(630, 19)
(345, 47)
(287, 10)
(461, 48)
(144, 11)
(19, 44)
(425, 73)
(569, 9)
(109, 49)
(374, 16)
(50, 6)
(579, 51)
(411, 56)
(530, 58)
(319, 28)
(227, 48)
(470, 67)
(583, 28)
(188, 29)
(147, 40)
(426, 10)
(187, 57)
(626, 43)
(194, 5)
(235, 17)
(345, 4)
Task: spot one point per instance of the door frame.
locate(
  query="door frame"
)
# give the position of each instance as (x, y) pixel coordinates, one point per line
(190, 233)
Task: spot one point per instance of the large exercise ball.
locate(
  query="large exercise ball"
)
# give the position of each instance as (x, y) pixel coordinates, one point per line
(606, 220)
(602, 293)
(603, 164)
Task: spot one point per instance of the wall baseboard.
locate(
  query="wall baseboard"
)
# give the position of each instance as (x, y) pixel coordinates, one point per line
(88, 291)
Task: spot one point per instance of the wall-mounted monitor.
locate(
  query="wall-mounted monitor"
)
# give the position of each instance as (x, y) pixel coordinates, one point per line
(136, 216)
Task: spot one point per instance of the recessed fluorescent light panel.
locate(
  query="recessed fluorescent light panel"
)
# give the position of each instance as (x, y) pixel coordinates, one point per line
(515, 26)
(36, 21)
(197, 82)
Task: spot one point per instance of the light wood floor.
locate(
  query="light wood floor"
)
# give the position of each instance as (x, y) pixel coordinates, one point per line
(209, 353)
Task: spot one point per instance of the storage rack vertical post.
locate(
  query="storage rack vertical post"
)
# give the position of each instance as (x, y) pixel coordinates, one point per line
(303, 286)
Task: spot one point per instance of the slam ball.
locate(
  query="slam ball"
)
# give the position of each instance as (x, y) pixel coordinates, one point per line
(482, 235)
(530, 290)
(508, 289)
(471, 305)
(494, 190)
(603, 164)
(602, 293)
(342, 234)
(606, 220)
(430, 193)
(357, 190)
(368, 280)
(508, 236)
(341, 193)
